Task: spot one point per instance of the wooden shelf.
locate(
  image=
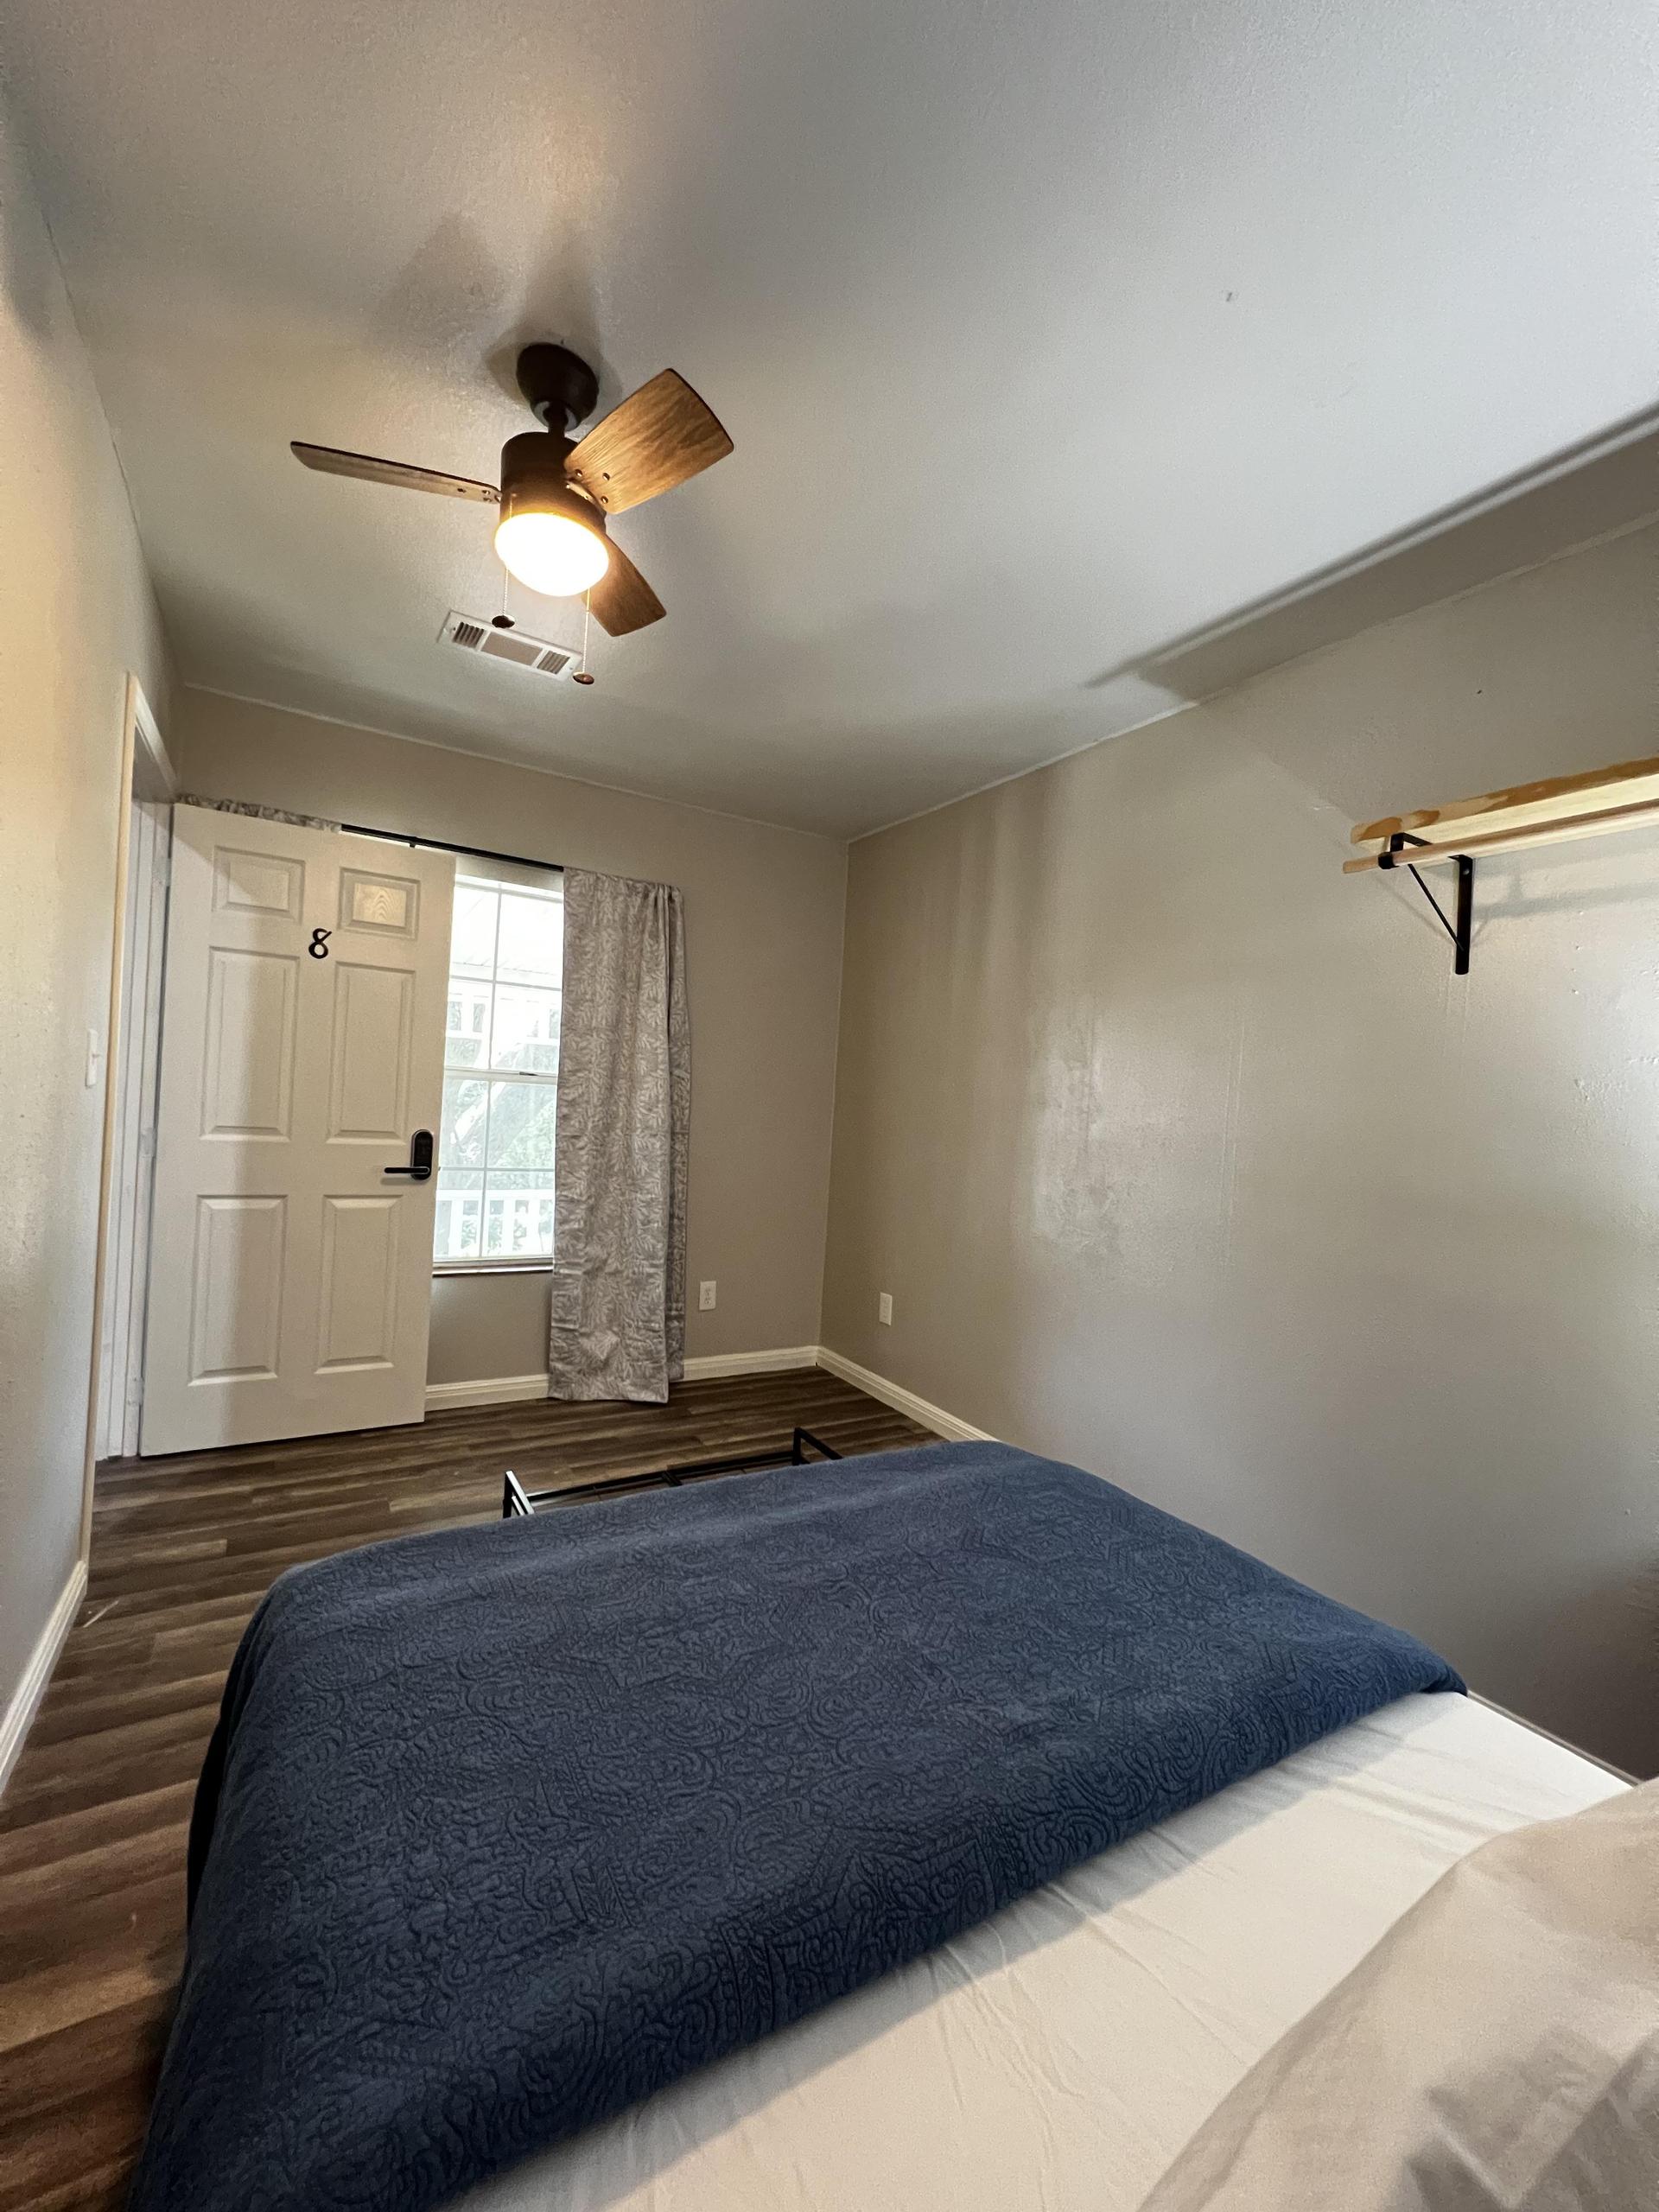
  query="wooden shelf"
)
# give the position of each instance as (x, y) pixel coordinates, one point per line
(1543, 813)
(1525, 814)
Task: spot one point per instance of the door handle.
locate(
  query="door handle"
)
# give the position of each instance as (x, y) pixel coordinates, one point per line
(420, 1158)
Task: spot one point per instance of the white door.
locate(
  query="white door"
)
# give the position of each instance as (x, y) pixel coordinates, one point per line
(302, 1033)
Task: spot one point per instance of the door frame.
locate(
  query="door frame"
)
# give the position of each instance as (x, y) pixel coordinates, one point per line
(133, 1077)
(145, 772)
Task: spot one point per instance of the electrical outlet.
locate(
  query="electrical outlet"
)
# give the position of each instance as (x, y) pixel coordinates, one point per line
(705, 1297)
(884, 1307)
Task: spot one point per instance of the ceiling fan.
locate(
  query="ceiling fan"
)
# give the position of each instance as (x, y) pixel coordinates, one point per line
(557, 492)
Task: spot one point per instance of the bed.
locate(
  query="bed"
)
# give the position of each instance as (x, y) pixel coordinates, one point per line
(945, 1828)
(1061, 2055)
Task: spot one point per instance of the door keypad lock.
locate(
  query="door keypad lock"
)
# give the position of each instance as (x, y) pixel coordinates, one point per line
(419, 1168)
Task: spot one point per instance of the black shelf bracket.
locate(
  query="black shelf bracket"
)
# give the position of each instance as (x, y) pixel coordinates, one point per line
(1462, 929)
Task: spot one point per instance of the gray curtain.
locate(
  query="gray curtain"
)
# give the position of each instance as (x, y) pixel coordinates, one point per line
(618, 1324)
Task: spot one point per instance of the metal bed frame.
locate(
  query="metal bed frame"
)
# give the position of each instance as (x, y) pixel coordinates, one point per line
(519, 1504)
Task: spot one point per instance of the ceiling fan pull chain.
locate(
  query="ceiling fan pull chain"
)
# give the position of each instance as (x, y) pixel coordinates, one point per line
(503, 620)
(581, 674)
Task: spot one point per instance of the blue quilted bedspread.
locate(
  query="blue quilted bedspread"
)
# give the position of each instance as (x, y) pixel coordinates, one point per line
(506, 1827)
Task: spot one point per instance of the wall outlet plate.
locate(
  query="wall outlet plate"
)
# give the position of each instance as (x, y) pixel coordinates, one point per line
(884, 1307)
(705, 1297)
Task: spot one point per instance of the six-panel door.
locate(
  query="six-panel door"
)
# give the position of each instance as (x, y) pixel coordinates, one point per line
(302, 1048)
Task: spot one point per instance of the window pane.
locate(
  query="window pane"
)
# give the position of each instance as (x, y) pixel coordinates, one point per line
(495, 1151)
(521, 1216)
(532, 940)
(522, 1119)
(466, 1113)
(468, 1023)
(471, 932)
(526, 1034)
(459, 1199)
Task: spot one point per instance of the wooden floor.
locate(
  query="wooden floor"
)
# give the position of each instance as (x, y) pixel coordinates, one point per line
(93, 1822)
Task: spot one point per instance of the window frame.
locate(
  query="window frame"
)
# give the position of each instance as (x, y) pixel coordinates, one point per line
(551, 890)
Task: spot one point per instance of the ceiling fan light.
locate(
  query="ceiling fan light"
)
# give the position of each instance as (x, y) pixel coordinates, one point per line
(552, 554)
(548, 537)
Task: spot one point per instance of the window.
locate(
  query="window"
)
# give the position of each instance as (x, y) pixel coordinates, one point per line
(500, 1076)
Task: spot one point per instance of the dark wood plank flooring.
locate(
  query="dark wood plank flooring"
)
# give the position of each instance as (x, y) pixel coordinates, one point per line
(93, 1822)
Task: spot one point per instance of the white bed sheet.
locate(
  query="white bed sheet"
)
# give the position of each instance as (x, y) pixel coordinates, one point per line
(1059, 2055)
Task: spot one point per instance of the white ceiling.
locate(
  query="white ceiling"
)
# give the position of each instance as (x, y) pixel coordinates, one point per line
(1048, 332)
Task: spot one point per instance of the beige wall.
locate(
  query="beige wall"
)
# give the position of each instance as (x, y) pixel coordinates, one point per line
(75, 615)
(763, 918)
(1186, 1157)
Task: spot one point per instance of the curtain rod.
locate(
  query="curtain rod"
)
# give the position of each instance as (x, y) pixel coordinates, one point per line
(442, 845)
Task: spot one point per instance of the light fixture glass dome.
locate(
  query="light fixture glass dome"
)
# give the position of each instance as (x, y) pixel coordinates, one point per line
(552, 554)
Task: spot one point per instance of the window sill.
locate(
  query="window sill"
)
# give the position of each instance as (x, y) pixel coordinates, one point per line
(492, 1267)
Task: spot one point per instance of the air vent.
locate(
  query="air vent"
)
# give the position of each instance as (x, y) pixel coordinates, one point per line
(538, 655)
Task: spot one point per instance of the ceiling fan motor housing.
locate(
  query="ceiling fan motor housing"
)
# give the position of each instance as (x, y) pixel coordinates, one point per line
(533, 480)
(558, 385)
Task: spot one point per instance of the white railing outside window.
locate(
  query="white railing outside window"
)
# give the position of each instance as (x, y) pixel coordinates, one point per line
(500, 1081)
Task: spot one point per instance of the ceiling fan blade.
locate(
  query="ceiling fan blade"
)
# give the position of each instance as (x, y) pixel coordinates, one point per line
(622, 600)
(649, 444)
(332, 462)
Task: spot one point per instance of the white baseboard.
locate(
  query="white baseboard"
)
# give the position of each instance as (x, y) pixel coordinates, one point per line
(902, 1400)
(493, 1390)
(518, 1389)
(751, 1363)
(26, 1698)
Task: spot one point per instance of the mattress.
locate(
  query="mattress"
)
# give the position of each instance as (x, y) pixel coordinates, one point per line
(1061, 2054)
